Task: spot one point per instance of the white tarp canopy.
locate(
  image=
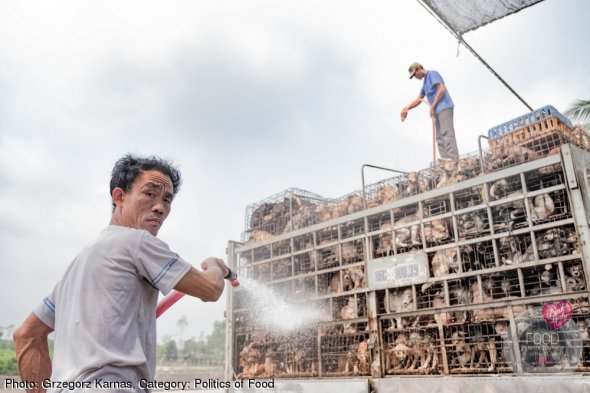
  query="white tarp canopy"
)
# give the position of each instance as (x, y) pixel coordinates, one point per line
(466, 15)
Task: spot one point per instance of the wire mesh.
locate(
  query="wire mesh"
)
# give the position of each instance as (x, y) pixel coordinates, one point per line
(413, 351)
(445, 262)
(305, 262)
(473, 224)
(281, 268)
(468, 197)
(285, 211)
(352, 251)
(382, 243)
(478, 348)
(345, 354)
(542, 280)
(473, 287)
(352, 228)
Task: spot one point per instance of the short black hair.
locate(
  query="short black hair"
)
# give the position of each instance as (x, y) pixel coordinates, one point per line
(129, 167)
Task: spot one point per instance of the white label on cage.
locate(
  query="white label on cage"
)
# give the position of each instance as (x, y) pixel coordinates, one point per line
(398, 270)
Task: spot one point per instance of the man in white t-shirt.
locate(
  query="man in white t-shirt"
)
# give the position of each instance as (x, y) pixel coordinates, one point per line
(103, 308)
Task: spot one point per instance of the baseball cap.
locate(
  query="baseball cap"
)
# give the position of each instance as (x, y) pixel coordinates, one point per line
(413, 68)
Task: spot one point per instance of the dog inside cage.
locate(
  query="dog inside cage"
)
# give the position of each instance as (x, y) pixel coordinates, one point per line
(574, 276)
(445, 262)
(344, 355)
(542, 280)
(281, 268)
(261, 271)
(281, 248)
(414, 183)
(477, 256)
(330, 283)
(327, 257)
(382, 243)
(507, 155)
(303, 242)
(468, 197)
(407, 229)
(509, 216)
(514, 249)
(556, 242)
(427, 293)
(438, 232)
(460, 295)
(261, 253)
(547, 144)
(304, 263)
(413, 351)
(375, 222)
(545, 177)
(482, 292)
(477, 348)
(401, 300)
(504, 188)
(472, 224)
(353, 278)
(582, 325)
(352, 251)
(352, 228)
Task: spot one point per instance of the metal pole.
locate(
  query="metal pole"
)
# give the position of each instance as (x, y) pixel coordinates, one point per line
(363, 178)
(481, 153)
(470, 49)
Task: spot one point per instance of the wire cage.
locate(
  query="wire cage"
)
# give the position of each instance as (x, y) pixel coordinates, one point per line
(284, 212)
(473, 223)
(345, 354)
(478, 348)
(269, 356)
(412, 351)
(495, 247)
(468, 197)
(383, 192)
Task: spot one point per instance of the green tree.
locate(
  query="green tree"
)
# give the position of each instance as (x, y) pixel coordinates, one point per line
(192, 352)
(182, 325)
(8, 364)
(170, 351)
(579, 110)
(216, 344)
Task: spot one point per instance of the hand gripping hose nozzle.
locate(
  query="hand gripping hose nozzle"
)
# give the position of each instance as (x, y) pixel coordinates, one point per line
(175, 295)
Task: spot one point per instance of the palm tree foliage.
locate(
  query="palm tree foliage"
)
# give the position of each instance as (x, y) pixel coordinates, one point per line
(580, 111)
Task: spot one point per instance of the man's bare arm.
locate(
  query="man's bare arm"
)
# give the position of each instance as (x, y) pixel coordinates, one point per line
(207, 284)
(32, 351)
(411, 105)
(440, 92)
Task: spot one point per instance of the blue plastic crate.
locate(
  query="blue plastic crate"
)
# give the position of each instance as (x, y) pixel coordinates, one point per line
(526, 120)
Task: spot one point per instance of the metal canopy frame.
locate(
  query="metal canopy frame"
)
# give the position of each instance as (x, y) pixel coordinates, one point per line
(459, 36)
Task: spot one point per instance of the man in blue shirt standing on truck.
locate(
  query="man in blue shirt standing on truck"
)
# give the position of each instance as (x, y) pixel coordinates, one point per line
(441, 109)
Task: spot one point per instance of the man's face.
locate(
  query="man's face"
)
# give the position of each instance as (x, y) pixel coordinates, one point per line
(420, 73)
(147, 204)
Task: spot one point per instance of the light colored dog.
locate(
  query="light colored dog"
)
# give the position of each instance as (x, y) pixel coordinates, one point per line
(445, 262)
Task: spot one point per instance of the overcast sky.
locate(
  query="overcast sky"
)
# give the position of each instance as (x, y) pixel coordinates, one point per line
(249, 98)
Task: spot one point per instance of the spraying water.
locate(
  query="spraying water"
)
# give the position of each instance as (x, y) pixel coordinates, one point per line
(277, 313)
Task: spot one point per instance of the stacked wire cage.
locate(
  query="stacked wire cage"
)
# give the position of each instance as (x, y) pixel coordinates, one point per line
(502, 243)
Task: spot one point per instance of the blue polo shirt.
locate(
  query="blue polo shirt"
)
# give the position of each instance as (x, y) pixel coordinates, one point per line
(429, 90)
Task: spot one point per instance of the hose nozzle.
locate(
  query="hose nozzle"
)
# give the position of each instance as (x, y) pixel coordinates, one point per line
(232, 277)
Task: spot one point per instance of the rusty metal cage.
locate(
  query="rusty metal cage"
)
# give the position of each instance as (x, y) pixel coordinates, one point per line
(493, 247)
